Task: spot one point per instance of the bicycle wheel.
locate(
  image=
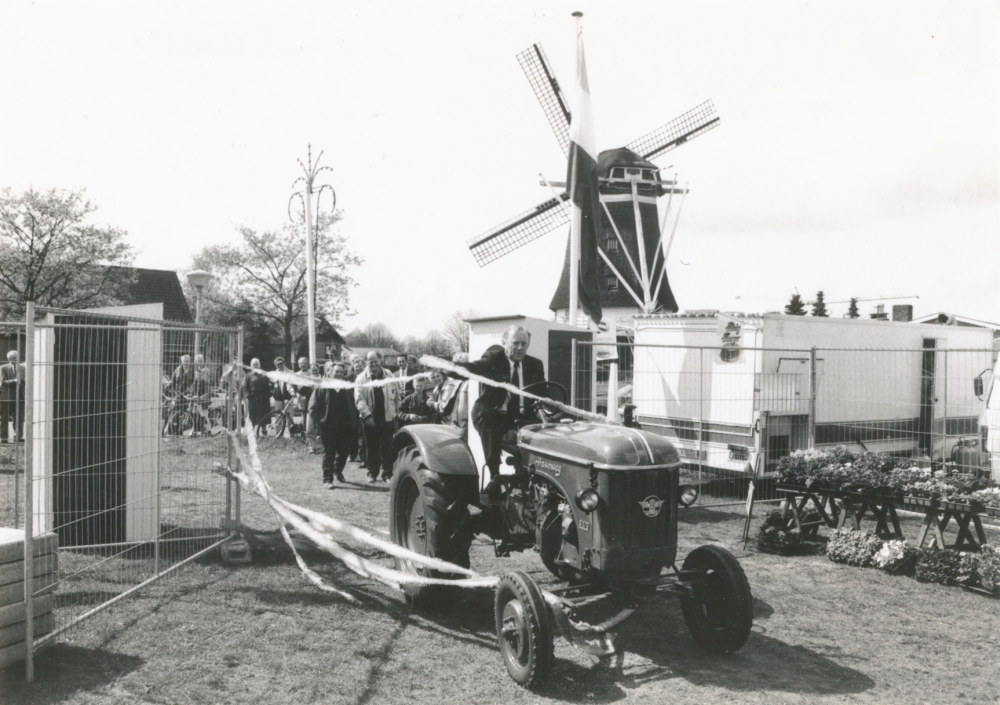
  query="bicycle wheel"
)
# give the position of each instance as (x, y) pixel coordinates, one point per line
(180, 423)
(272, 425)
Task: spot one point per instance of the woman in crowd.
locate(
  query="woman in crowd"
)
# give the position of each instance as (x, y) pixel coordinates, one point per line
(441, 399)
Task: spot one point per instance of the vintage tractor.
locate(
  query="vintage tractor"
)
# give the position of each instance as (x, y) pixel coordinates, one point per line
(598, 502)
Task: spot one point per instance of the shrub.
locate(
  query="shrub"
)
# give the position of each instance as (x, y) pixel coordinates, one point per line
(896, 558)
(853, 547)
(776, 536)
(935, 565)
(986, 567)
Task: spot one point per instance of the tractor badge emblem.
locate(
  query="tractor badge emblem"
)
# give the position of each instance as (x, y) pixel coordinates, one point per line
(651, 506)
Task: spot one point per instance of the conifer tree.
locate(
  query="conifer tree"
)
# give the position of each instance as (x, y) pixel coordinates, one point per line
(819, 307)
(852, 312)
(795, 307)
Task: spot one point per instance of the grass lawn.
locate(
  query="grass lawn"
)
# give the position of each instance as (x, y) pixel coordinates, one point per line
(211, 633)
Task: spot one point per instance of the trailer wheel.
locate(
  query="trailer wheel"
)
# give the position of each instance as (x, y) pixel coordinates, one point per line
(428, 515)
(524, 629)
(719, 613)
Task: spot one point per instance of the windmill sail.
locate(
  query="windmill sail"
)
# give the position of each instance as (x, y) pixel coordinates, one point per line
(543, 82)
(519, 230)
(682, 128)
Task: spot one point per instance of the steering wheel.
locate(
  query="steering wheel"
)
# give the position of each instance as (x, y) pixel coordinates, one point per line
(545, 389)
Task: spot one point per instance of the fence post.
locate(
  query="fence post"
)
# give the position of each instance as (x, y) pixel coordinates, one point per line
(573, 371)
(944, 408)
(701, 411)
(29, 499)
(812, 397)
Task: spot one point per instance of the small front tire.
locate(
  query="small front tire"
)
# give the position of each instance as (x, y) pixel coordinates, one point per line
(719, 612)
(524, 629)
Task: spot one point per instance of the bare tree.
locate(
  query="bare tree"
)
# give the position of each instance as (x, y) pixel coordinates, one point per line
(456, 330)
(374, 335)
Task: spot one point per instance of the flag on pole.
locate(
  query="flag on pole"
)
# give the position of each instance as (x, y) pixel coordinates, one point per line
(581, 175)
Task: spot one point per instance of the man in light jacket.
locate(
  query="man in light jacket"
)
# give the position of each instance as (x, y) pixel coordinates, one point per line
(377, 404)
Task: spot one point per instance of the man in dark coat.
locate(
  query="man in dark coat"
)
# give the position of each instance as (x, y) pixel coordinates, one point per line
(335, 417)
(496, 411)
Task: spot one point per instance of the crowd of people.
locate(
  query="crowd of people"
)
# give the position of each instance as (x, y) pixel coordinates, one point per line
(358, 424)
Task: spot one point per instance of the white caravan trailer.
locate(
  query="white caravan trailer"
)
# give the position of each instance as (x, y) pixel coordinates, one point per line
(753, 383)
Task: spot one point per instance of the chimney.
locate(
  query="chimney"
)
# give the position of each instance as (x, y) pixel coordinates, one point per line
(902, 313)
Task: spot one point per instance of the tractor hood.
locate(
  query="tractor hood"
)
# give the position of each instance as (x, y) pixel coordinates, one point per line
(603, 446)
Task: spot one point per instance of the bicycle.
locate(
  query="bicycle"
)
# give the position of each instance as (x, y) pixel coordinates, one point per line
(273, 425)
(180, 420)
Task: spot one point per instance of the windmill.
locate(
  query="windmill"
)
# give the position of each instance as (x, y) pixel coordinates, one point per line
(630, 238)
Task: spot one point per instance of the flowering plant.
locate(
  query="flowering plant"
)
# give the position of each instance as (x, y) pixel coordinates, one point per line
(871, 473)
(896, 558)
(853, 547)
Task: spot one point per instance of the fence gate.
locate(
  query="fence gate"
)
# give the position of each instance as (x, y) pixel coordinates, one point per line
(116, 483)
(734, 413)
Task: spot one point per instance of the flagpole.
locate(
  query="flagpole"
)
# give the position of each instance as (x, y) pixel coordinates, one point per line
(574, 226)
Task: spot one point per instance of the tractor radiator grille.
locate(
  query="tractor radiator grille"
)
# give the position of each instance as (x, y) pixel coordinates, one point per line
(625, 524)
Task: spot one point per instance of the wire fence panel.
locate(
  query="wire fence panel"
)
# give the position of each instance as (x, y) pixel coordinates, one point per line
(11, 427)
(734, 412)
(122, 451)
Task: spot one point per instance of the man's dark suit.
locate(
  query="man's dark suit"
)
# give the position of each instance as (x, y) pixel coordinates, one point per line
(489, 415)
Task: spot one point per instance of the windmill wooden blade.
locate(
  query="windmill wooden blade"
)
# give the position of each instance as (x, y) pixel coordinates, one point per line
(519, 230)
(543, 82)
(694, 122)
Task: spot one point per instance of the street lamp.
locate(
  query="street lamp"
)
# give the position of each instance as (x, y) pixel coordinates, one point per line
(306, 196)
(198, 278)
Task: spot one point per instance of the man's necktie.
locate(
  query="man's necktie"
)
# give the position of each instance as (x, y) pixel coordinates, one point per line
(515, 381)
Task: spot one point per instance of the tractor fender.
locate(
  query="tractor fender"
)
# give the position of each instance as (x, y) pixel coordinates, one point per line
(442, 448)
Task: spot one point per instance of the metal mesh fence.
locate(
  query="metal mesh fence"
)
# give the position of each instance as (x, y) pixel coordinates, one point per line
(123, 443)
(735, 413)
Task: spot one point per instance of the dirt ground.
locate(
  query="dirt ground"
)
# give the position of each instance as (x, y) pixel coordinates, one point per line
(823, 632)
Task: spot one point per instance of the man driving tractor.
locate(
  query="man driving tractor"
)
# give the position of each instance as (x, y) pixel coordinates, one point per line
(497, 411)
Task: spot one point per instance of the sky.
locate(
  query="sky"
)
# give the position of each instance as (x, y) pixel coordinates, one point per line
(857, 154)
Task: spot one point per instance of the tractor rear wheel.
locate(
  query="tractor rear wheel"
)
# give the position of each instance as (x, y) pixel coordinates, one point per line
(429, 516)
(719, 613)
(524, 629)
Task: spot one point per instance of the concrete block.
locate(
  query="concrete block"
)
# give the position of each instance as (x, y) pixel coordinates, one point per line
(13, 633)
(12, 544)
(10, 614)
(14, 571)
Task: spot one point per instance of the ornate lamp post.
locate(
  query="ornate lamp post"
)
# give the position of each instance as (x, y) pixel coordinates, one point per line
(198, 278)
(306, 196)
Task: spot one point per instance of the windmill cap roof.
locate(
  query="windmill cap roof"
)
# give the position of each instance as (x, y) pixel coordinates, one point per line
(621, 157)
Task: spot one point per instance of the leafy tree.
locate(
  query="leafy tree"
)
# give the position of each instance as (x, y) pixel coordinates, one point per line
(456, 330)
(819, 306)
(50, 255)
(795, 307)
(852, 312)
(266, 275)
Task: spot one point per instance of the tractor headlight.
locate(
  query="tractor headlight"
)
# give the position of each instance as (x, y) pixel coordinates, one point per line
(688, 495)
(587, 499)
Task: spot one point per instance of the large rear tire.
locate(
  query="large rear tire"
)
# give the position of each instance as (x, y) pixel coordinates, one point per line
(719, 614)
(524, 629)
(429, 515)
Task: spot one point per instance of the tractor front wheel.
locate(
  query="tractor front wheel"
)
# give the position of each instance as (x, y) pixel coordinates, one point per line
(524, 629)
(719, 612)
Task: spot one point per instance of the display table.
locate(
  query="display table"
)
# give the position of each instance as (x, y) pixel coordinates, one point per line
(938, 515)
(836, 508)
